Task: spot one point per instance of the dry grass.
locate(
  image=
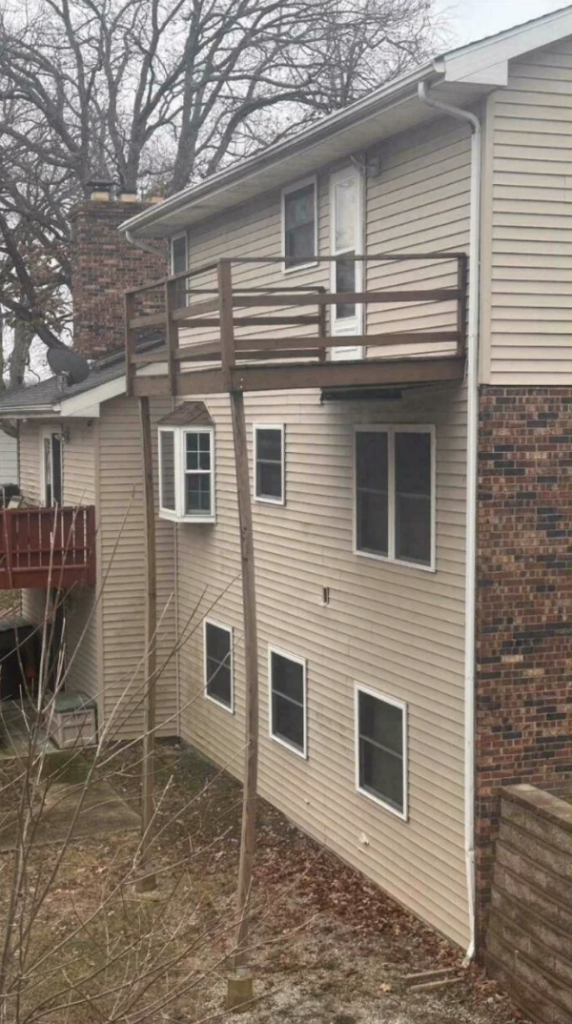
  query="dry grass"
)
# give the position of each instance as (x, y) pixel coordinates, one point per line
(328, 947)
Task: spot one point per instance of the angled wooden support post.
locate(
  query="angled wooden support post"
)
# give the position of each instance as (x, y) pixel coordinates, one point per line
(146, 880)
(239, 990)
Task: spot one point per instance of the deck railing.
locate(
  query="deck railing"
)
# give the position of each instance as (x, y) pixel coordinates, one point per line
(233, 308)
(47, 547)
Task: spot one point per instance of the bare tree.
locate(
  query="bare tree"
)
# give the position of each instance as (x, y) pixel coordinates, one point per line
(156, 94)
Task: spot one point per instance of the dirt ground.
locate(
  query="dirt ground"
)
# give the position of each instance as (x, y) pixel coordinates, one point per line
(327, 947)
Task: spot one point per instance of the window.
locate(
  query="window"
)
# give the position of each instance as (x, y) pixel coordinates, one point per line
(218, 664)
(395, 494)
(381, 749)
(269, 464)
(178, 265)
(347, 227)
(287, 675)
(52, 469)
(299, 219)
(186, 474)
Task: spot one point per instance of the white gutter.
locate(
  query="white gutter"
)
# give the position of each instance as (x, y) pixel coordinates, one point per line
(139, 244)
(472, 466)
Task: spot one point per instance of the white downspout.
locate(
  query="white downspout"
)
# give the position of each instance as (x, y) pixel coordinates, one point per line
(472, 467)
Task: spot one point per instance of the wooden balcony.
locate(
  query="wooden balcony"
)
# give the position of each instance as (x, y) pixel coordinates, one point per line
(47, 547)
(278, 336)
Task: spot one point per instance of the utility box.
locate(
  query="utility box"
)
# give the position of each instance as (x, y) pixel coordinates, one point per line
(72, 721)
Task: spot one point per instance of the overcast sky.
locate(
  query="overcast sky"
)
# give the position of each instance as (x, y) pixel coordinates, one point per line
(472, 19)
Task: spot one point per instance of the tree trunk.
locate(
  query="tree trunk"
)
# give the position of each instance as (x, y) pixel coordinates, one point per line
(23, 337)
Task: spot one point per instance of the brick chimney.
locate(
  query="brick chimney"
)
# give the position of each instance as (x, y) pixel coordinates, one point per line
(104, 265)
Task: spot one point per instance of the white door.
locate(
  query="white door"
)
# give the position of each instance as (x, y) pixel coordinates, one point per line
(347, 231)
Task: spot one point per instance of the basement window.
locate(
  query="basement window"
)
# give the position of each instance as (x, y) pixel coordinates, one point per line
(269, 464)
(381, 749)
(218, 664)
(287, 677)
(186, 474)
(395, 494)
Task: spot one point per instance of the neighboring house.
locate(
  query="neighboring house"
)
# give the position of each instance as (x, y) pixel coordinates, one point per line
(412, 609)
(79, 450)
(8, 459)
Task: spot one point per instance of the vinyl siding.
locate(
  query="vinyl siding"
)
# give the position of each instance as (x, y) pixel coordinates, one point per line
(30, 454)
(419, 202)
(82, 611)
(8, 459)
(528, 259)
(122, 541)
(79, 462)
(365, 635)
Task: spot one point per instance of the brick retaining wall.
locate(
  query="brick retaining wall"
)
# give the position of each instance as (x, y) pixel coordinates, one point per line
(524, 604)
(529, 936)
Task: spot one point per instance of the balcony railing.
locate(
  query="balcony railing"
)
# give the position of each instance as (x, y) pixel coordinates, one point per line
(47, 547)
(260, 337)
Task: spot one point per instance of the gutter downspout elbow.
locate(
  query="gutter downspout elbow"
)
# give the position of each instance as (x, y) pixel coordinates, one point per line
(141, 245)
(472, 467)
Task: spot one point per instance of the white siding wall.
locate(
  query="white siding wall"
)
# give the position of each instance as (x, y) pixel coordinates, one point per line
(397, 629)
(418, 204)
(82, 613)
(527, 266)
(8, 459)
(29, 450)
(122, 540)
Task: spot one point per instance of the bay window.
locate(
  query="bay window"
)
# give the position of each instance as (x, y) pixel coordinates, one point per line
(186, 474)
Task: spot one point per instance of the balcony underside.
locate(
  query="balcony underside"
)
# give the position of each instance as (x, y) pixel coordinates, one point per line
(391, 372)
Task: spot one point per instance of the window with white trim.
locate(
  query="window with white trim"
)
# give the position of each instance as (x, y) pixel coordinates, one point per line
(287, 678)
(219, 683)
(395, 493)
(269, 463)
(179, 257)
(187, 474)
(300, 225)
(381, 749)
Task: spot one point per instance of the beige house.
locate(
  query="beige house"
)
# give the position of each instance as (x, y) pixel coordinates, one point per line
(408, 425)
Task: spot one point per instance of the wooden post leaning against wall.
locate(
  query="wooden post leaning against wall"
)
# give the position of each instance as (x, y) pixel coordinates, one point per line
(239, 991)
(146, 880)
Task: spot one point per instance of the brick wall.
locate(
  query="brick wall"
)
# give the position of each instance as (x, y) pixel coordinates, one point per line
(524, 580)
(529, 936)
(104, 265)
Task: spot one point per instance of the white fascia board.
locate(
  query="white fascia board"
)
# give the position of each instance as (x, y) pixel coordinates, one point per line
(486, 62)
(88, 403)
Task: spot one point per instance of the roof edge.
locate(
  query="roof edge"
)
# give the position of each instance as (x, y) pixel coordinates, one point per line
(485, 59)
